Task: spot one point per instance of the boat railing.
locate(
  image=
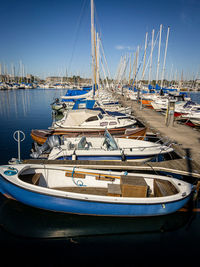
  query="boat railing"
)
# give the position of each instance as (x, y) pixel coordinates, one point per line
(142, 148)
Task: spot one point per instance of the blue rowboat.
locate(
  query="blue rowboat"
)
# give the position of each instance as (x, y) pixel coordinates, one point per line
(93, 192)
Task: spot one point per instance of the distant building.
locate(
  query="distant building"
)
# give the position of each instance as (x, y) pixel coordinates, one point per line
(74, 79)
(198, 81)
(54, 79)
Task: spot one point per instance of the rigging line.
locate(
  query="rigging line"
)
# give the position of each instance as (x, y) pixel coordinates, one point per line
(77, 30)
(105, 59)
(98, 27)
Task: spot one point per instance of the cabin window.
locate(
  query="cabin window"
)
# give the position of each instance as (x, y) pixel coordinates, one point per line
(112, 123)
(104, 123)
(100, 116)
(93, 118)
(82, 105)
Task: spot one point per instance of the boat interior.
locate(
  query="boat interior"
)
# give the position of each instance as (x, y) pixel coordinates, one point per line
(104, 185)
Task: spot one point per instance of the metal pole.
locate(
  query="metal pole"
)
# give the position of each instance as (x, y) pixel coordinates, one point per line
(16, 137)
(18, 140)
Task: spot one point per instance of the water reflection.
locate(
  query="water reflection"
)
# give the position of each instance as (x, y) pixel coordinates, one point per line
(23, 110)
(31, 222)
(19, 102)
(12, 102)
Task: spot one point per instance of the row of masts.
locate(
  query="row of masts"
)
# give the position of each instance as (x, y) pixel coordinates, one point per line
(13, 74)
(126, 60)
(135, 65)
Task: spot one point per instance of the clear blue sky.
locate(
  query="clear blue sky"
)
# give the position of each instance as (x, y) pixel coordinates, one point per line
(49, 36)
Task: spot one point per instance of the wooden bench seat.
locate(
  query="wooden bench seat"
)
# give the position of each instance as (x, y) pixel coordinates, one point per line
(101, 191)
(163, 188)
(31, 178)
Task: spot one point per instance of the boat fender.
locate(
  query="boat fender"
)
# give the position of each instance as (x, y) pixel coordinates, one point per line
(74, 156)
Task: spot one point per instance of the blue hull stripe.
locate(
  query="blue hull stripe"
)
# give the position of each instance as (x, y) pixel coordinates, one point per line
(88, 157)
(84, 207)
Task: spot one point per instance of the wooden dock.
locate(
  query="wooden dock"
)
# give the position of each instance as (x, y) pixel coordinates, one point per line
(179, 166)
(184, 139)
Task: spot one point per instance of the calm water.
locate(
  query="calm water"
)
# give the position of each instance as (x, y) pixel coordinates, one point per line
(51, 239)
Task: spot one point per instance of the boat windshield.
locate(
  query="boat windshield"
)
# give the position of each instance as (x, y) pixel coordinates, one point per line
(100, 116)
(110, 141)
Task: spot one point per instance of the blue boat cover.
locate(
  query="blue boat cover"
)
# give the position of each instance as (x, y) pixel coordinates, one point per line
(89, 104)
(75, 92)
(87, 88)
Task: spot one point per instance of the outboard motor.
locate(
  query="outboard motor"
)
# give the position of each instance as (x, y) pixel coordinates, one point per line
(55, 101)
(51, 142)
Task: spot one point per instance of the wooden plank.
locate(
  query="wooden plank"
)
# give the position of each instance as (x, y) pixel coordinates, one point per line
(84, 190)
(75, 175)
(104, 178)
(179, 166)
(35, 179)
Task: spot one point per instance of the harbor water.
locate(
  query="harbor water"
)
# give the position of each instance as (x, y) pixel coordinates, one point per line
(33, 237)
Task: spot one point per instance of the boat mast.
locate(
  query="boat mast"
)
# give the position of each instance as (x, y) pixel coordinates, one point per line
(136, 65)
(158, 64)
(97, 61)
(163, 70)
(152, 47)
(145, 51)
(92, 48)
(129, 76)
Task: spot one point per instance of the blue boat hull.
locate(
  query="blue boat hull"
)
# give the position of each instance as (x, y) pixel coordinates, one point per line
(85, 207)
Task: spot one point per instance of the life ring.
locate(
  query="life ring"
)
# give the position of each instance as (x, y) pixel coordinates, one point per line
(11, 172)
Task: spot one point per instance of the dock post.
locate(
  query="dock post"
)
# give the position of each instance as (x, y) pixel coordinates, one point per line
(138, 95)
(169, 119)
